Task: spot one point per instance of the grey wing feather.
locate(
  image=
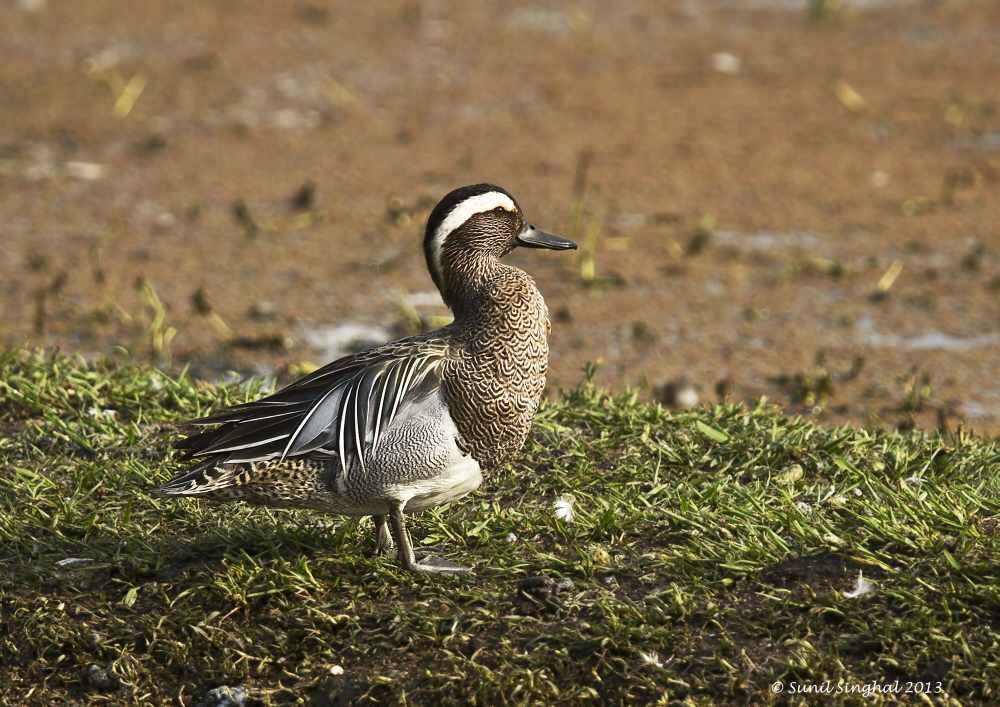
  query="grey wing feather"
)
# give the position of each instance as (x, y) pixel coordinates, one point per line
(313, 423)
(340, 410)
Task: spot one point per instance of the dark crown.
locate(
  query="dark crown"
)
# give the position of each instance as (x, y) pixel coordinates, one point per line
(452, 200)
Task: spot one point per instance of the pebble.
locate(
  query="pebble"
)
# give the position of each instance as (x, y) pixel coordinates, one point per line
(100, 678)
(726, 63)
(87, 171)
(542, 587)
(224, 696)
(263, 310)
(679, 394)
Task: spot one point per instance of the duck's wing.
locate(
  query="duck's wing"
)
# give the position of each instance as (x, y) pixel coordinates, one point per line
(337, 411)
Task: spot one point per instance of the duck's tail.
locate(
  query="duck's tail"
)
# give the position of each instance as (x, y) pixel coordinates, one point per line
(208, 478)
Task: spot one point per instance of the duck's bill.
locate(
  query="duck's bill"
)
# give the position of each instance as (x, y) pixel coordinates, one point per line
(532, 237)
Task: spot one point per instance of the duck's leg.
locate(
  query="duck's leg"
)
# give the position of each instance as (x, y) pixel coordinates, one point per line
(383, 538)
(407, 558)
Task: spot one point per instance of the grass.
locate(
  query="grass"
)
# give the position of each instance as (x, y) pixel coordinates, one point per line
(710, 554)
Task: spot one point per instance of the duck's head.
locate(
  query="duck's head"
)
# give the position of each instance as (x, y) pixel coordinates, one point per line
(473, 225)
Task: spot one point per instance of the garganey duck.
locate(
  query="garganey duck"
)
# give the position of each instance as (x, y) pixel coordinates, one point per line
(410, 424)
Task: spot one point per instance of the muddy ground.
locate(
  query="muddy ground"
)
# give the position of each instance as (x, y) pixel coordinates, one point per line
(773, 199)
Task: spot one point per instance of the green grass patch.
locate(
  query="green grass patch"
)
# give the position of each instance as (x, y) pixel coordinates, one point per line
(709, 554)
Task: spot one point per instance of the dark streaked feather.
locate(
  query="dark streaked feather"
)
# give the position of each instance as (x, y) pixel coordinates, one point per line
(234, 435)
(286, 482)
(202, 479)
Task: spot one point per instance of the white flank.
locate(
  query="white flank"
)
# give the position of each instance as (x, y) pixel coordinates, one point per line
(463, 212)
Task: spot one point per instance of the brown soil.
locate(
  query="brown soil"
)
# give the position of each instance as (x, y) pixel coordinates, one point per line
(737, 212)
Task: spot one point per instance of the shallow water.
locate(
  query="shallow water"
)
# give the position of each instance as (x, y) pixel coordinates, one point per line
(803, 5)
(333, 342)
(929, 340)
(985, 142)
(976, 410)
(767, 240)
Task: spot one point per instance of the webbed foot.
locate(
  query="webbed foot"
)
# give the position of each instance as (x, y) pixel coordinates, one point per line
(429, 563)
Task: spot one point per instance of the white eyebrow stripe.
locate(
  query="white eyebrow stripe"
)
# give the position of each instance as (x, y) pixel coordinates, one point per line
(463, 212)
(469, 208)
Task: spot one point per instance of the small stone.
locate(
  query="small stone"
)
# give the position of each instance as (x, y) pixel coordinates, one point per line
(224, 696)
(878, 179)
(263, 310)
(100, 678)
(541, 587)
(87, 171)
(292, 119)
(154, 214)
(164, 220)
(726, 63)
(679, 394)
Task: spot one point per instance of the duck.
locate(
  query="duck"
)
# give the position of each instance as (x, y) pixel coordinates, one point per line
(410, 424)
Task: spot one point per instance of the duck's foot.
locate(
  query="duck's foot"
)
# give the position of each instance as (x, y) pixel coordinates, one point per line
(428, 562)
(384, 544)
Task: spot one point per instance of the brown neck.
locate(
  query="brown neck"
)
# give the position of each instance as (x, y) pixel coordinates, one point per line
(466, 278)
